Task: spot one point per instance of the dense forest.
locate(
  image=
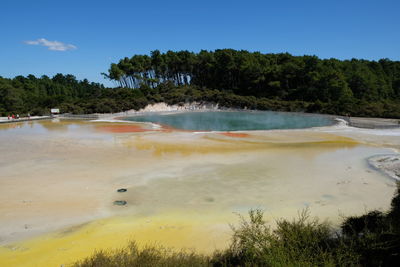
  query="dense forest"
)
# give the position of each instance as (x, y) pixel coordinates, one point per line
(282, 76)
(38, 95)
(238, 79)
(351, 86)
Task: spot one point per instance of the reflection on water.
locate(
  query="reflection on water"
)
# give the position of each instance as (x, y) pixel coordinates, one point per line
(235, 121)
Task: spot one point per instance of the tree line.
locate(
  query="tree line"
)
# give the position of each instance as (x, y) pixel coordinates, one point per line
(238, 79)
(37, 95)
(279, 76)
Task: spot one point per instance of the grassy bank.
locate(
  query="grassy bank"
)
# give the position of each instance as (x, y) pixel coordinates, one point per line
(369, 240)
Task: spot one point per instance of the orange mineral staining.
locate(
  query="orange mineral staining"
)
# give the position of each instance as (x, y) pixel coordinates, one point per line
(122, 128)
(240, 135)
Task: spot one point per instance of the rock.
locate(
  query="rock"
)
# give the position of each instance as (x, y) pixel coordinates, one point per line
(120, 202)
(121, 190)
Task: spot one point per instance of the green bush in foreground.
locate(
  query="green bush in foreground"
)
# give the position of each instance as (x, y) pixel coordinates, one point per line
(375, 236)
(301, 242)
(148, 256)
(372, 239)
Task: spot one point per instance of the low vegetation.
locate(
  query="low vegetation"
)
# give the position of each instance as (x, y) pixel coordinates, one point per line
(132, 256)
(369, 240)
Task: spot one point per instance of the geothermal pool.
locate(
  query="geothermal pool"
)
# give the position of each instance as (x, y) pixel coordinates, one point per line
(59, 180)
(235, 120)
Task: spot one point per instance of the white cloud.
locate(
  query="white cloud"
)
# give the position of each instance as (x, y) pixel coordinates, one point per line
(52, 45)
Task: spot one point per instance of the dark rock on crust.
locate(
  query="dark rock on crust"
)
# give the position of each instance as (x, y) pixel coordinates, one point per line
(121, 190)
(120, 202)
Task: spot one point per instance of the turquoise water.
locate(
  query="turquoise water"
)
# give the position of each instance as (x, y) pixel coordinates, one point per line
(235, 120)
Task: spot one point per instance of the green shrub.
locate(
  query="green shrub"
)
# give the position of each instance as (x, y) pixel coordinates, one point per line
(301, 242)
(132, 256)
(375, 236)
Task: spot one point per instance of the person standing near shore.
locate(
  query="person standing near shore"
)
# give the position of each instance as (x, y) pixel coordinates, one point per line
(8, 117)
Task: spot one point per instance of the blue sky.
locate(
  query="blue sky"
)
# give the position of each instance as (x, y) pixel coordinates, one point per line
(92, 34)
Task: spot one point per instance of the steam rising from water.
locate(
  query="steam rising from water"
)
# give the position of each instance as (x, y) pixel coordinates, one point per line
(235, 120)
